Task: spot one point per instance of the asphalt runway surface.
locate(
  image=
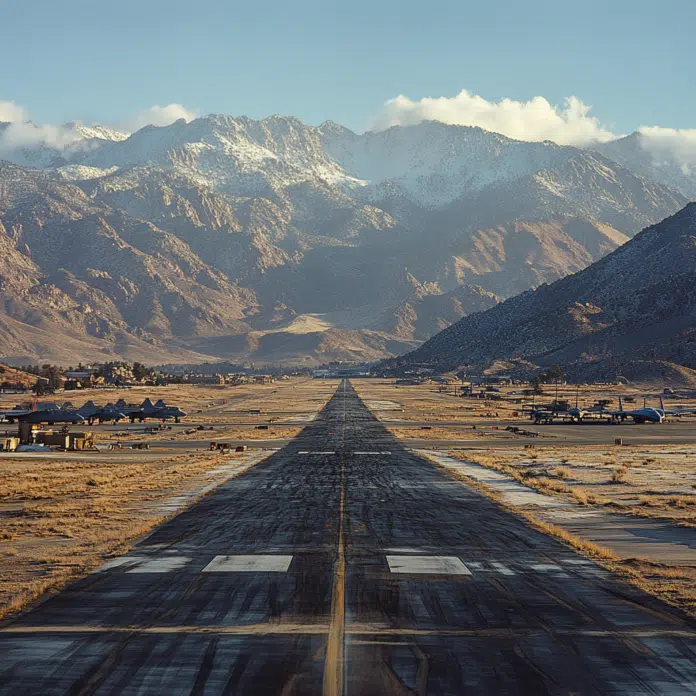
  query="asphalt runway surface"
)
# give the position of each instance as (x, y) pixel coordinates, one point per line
(345, 564)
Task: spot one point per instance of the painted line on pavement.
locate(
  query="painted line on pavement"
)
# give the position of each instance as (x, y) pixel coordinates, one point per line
(258, 563)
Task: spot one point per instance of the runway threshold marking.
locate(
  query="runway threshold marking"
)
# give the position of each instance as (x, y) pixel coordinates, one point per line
(427, 565)
(334, 662)
(252, 563)
(163, 564)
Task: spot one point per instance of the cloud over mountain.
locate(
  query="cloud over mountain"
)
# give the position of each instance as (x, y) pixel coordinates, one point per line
(533, 120)
(10, 111)
(158, 116)
(671, 146)
(23, 134)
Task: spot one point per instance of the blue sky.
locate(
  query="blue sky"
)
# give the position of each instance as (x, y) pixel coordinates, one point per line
(634, 62)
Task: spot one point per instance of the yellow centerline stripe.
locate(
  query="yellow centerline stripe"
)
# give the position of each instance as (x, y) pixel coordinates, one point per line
(333, 664)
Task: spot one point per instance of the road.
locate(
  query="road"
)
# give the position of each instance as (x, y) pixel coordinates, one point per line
(345, 564)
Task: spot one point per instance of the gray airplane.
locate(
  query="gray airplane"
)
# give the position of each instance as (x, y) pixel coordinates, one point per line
(17, 412)
(52, 416)
(647, 414)
(13, 414)
(101, 414)
(158, 411)
(675, 411)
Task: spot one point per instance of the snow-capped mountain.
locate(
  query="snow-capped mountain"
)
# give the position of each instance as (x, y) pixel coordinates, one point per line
(52, 146)
(656, 161)
(434, 164)
(239, 156)
(232, 237)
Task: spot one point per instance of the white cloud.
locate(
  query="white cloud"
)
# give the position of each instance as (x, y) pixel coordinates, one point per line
(534, 120)
(670, 146)
(21, 134)
(10, 111)
(159, 116)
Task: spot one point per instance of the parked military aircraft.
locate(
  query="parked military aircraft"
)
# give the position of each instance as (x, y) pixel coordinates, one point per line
(14, 414)
(91, 412)
(548, 415)
(158, 411)
(675, 411)
(51, 416)
(647, 414)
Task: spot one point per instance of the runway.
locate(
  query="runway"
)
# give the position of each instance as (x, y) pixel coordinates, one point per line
(346, 564)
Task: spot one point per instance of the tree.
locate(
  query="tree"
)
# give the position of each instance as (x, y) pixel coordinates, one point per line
(535, 384)
(554, 373)
(52, 373)
(139, 371)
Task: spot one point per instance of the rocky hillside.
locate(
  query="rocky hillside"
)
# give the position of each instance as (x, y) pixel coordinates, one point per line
(639, 301)
(229, 238)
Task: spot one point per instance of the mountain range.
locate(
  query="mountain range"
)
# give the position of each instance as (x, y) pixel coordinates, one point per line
(632, 313)
(230, 238)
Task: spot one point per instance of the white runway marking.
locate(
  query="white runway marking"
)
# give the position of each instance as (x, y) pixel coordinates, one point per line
(545, 567)
(372, 453)
(248, 564)
(503, 570)
(161, 565)
(301, 419)
(121, 561)
(427, 565)
(303, 452)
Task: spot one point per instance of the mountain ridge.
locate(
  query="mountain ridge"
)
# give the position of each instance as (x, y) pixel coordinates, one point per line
(638, 301)
(210, 231)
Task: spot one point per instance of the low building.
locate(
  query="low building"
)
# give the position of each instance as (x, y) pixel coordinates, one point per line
(216, 380)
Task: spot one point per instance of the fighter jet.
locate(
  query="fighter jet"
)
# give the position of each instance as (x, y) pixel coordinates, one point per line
(158, 411)
(91, 412)
(546, 416)
(675, 411)
(13, 414)
(52, 416)
(646, 414)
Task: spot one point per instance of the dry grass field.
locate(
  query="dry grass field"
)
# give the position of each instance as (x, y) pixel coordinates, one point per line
(62, 515)
(651, 481)
(60, 518)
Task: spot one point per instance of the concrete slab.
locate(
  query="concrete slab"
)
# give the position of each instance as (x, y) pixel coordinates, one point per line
(253, 563)
(427, 565)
